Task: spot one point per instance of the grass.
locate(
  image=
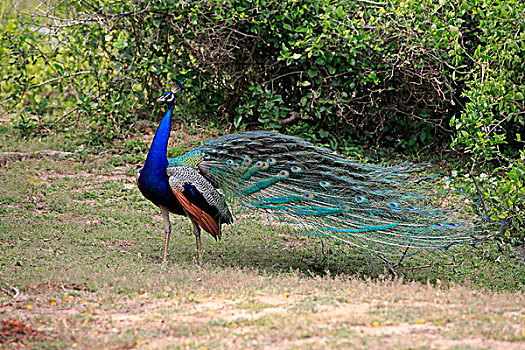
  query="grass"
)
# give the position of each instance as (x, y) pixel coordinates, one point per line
(84, 248)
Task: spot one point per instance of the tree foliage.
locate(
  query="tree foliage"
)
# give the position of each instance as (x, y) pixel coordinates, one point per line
(334, 70)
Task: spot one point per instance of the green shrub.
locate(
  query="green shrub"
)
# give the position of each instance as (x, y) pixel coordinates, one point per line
(492, 122)
(331, 71)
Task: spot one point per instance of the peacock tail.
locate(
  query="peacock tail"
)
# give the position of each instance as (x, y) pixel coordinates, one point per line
(318, 192)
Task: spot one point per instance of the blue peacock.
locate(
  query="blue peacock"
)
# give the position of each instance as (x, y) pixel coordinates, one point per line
(311, 188)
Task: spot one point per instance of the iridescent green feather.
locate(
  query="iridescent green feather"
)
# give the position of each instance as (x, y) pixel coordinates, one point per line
(192, 158)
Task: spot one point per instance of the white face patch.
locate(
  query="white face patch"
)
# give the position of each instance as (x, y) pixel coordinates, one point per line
(168, 98)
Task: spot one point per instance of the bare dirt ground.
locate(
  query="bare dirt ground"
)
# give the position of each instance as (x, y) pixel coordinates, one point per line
(375, 315)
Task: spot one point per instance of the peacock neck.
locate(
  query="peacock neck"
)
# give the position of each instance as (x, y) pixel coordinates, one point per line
(157, 159)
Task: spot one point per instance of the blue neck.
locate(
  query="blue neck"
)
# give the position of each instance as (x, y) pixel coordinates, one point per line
(153, 179)
(157, 160)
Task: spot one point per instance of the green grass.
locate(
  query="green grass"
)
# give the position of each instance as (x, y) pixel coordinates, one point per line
(84, 248)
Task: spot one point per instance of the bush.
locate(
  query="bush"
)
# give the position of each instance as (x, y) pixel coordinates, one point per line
(331, 72)
(492, 122)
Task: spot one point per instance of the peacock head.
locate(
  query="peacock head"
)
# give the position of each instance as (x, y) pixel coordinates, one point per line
(169, 98)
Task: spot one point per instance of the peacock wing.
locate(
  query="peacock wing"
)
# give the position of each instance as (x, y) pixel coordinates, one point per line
(202, 202)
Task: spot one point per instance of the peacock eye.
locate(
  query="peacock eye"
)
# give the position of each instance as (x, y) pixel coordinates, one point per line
(360, 199)
(295, 169)
(308, 196)
(235, 166)
(324, 183)
(258, 164)
(357, 187)
(271, 161)
(283, 173)
(230, 162)
(393, 205)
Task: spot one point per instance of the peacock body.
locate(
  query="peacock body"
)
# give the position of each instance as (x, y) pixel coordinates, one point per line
(312, 188)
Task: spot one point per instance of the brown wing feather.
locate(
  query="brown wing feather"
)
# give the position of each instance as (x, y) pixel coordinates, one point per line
(202, 218)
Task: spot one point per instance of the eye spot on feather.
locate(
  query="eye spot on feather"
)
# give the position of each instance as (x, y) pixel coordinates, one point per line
(283, 174)
(452, 225)
(327, 172)
(437, 225)
(413, 208)
(259, 164)
(271, 161)
(324, 183)
(236, 166)
(355, 187)
(292, 162)
(265, 165)
(393, 205)
(360, 199)
(296, 169)
(308, 195)
(345, 207)
(230, 162)
(244, 166)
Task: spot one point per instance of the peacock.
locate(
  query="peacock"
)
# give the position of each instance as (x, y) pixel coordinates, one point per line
(310, 188)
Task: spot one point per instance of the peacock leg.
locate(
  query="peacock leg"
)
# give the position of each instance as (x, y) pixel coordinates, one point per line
(197, 233)
(166, 217)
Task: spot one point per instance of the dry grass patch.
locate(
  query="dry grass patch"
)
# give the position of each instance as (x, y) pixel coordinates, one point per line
(320, 313)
